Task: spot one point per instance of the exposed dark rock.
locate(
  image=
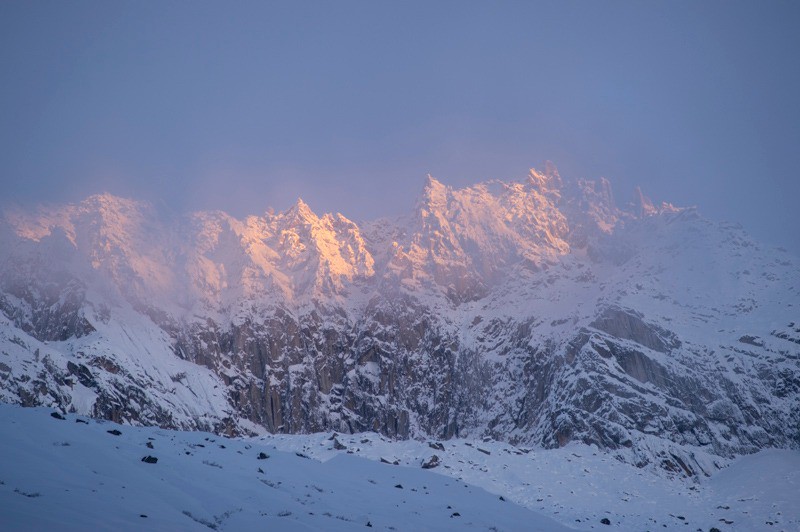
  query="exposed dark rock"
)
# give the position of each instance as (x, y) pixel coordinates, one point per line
(114, 432)
(83, 374)
(57, 416)
(149, 459)
(752, 340)
(430, 463)
(605, 521)
(629, 325)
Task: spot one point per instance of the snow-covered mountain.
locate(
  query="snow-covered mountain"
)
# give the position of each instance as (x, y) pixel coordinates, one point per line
(536, 312)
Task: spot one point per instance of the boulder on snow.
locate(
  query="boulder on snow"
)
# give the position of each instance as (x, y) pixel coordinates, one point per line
(430, 463)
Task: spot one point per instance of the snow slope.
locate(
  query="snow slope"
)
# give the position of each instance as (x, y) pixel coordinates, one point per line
(74, 474)
(579, 485)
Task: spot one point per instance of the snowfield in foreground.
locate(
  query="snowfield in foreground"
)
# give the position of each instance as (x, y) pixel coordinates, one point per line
(83, 474)
(67, 475)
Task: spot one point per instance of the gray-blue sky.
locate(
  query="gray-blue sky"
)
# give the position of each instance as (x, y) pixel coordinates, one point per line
(241, 106)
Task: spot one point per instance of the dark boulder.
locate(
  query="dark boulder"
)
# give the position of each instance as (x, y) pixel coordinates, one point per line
(430, 463)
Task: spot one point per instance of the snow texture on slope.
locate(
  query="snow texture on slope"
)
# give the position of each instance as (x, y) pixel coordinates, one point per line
(70, 475)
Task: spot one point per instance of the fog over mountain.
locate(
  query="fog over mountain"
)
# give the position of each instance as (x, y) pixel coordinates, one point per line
(538, 312)
(349, 105)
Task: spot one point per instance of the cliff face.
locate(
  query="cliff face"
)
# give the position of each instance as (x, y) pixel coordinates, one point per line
(536, 312)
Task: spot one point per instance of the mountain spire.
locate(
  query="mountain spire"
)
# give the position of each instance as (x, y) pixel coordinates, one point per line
(603, 188)
(548, 179)
(642, 206)
(301, 210)
(434, 194)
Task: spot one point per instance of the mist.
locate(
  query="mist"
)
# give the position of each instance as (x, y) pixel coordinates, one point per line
(349, 105)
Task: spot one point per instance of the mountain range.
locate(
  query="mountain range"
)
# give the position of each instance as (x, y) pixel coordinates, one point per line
(535, 312)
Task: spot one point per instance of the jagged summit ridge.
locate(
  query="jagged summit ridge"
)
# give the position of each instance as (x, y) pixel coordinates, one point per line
(458, 238)
(535, 311)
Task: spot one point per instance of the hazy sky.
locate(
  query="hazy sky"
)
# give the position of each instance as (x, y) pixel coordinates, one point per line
(241, 106)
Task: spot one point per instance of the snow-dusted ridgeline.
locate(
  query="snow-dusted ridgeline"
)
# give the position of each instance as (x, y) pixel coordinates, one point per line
(536, 312)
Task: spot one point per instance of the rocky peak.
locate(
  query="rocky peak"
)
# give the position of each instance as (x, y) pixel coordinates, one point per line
(434, 196)
(108, 203)
(467, 239)
(602, 188)
(551, 172)
(321, 255)
(642, 205)
(537, 179)
(300, 212)
(545, 180)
